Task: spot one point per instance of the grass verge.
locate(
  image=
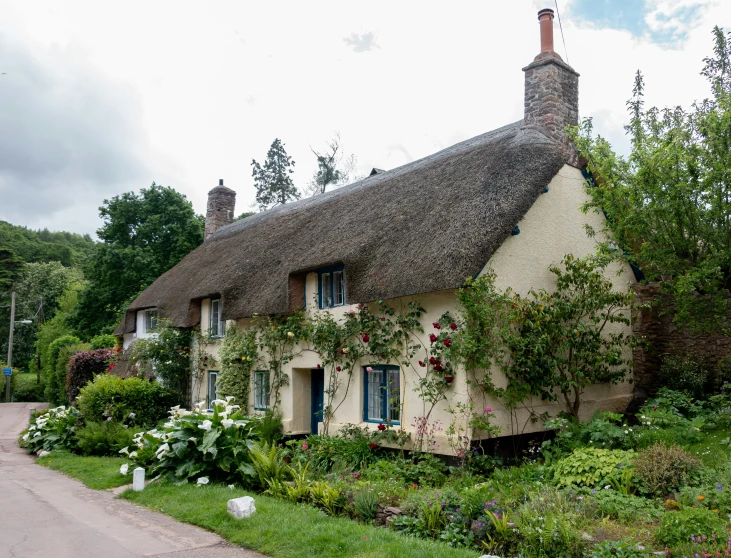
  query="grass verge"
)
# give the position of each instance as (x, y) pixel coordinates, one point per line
(284, 530)
(95, 472)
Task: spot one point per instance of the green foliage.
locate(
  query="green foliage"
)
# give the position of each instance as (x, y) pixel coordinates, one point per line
(683, 373)
(104, 438)
(667, 203)
(547, 534)
(268, 464)
(143, 236)
(237, 356)
(627, 508)
(11, 266)
(678, 527)
(26, 388)
(71, 249)
(589, 466)
(273, 181)
(112, 397)
(82, 368)
(167, 355)
(270, 427)
(365, 504)
(620, 549)
(103, 341)
(661, 468)
(51, 429)
(57, 358)
(196, 444)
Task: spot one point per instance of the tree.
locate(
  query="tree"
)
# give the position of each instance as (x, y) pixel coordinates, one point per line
(668, 204)
(143, 236)
(10, 266)
(273, 181)
(332, 171)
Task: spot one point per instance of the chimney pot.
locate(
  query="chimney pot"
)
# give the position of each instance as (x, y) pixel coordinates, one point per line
(220, 181)
(545, 17)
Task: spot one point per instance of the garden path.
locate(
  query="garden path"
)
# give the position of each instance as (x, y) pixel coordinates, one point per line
(45, 513)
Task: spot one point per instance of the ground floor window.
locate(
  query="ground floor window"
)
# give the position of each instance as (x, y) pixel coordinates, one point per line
(382, 393)
(261, 390)
(212, 377)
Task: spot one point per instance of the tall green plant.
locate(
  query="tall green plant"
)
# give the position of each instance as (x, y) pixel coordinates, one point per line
(237, 357)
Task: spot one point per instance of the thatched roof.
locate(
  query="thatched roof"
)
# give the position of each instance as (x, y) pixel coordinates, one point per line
(422, 227)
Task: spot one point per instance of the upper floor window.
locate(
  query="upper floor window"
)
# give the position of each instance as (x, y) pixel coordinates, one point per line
(382, 393)
(332, 286)
(151, 318)
(216, 326)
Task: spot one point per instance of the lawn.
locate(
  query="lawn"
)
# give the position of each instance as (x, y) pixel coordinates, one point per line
(282, 529)
(98, 473)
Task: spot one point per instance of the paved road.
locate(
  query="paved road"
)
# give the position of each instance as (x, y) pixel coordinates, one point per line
(45, 513)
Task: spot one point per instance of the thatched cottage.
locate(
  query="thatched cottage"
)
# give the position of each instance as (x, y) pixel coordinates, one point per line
(508, 200)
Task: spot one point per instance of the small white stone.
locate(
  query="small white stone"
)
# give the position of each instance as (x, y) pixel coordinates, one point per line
(43, 453)
(241, 508)
(138, 479)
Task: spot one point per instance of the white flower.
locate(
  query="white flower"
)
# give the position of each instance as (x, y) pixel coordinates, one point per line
(231, 486)
(201, 404)
(229, 398)
(169, 424)
(218, 402)
(192, 439)
(133, 455)
(124, 451)
(205, 425)
(123, 469)
(607, 487)
(290, 334)
(227, 423)
(162, 448)
(176, 408)
(25, 436)
(203, 480)
(131, 415)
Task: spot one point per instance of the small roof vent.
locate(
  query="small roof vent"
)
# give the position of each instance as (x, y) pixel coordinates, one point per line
(376, 171)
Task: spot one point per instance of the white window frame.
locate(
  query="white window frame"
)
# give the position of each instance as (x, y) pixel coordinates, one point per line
(151, 320)
(217, 326)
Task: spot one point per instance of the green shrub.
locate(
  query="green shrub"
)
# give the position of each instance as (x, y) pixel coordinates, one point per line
(684, 373)
(26, 388)
(620, 549)
(589, 466)
(365, 504)
(55, 372)
(661, 469)
(268, 464)
(112, 397)
(548, 535)
(680, 527)
(51, 429)
(103, 341)
(104, 438)
(199, 445)
(270, 427)
(627, 508)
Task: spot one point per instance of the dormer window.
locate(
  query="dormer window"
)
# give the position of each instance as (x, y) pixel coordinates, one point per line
(151, 318)
(332, 286)
(216, 326)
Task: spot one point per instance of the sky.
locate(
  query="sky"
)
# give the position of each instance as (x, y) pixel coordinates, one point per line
(101, 98)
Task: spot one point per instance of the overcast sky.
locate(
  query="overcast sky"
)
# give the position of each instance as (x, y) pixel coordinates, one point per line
(99, 98)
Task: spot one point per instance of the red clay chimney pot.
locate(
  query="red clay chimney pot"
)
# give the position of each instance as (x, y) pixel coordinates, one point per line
(545, 17)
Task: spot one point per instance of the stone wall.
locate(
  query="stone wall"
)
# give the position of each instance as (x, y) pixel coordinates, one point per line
(664, 337)
(220, 210)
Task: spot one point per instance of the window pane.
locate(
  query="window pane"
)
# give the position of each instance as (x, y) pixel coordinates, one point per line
(394, 394)
(375, 394)
(326, 286)
(338, 284)
(212, 377)
(213, 323)
(261, 389)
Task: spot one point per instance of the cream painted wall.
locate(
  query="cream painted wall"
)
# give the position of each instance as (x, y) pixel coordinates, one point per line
(139, 332)
(552, 227)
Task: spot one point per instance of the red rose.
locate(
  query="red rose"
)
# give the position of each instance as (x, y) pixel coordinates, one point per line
(447, 342)
(422, 364)
(381, 427)
(432, 337)
(383, 319)
(432, 360)
(118, 349)
(205, 358)
(453, 326)
(366, 338)
(437, 325)
(318, 365)
(372, 445)
(338, 369)
(341, 351)
(438, 368)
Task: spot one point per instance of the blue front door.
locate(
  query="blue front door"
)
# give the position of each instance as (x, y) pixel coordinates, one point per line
(318, 397)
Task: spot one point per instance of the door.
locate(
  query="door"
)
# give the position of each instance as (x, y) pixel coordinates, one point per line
(317, 383)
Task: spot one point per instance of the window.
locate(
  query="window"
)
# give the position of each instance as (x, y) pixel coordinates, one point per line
(382, 394)
(216, 326)
(212, 378)
(332, 286)
(261, 390)
(150, 321)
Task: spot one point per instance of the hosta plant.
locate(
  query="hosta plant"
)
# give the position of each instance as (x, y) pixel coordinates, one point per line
(195, 444)
(589, 466)
(52, 429)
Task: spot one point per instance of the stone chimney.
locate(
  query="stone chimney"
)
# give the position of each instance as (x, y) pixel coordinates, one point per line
(220, 210)
(551, 91)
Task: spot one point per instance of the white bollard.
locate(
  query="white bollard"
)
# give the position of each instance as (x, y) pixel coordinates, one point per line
(138, 479)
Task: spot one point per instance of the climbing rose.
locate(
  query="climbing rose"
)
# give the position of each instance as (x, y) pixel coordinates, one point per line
(338, 369)
(422, 364)
(488, 409)
(437, 325)
(366, 338)
(372, 445)
(447, 342)
(432, 337)
(432, 360)
(381, 427)
(453, 326)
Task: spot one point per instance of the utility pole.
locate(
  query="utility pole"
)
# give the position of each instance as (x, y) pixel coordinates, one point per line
(10, 347)
(38, 354)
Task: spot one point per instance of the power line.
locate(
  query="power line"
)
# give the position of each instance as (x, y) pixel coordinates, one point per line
(565, 51)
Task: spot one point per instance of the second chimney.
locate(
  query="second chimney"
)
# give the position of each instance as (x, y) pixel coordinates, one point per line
(220, 210)
(551, 91)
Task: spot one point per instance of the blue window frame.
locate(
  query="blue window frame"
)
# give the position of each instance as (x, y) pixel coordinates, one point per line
(382, 394)
(331, 286)
(261, 390)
